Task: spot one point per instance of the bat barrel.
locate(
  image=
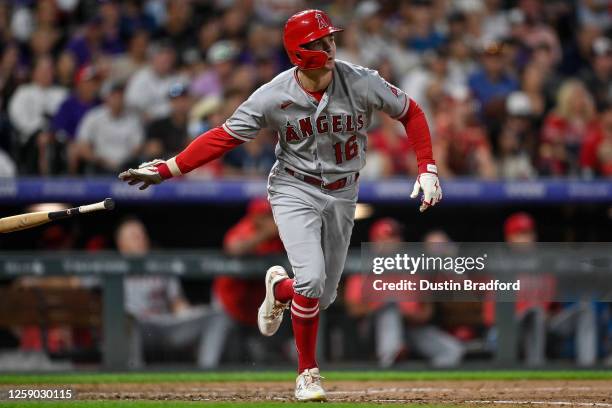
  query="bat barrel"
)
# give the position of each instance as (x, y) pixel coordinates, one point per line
(24, 221)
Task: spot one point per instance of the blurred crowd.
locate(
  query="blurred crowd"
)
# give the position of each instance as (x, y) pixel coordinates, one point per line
(511, 89)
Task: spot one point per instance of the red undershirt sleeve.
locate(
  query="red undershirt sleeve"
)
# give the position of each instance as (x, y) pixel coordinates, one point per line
(205, 148)
(417, 130)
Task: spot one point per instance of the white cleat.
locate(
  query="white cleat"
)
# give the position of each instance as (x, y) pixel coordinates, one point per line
(270, 313)
(308, 386)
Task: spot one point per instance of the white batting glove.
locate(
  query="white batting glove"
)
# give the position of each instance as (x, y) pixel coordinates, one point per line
(432, 192)
(146, 174)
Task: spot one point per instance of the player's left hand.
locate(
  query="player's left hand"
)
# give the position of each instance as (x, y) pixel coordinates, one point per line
(432, 192)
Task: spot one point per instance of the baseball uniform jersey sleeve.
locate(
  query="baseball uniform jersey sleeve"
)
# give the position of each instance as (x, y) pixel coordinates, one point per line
(249, 118)
(385, 97)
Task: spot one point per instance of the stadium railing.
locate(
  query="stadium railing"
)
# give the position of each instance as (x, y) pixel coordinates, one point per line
(456, 191)
(109, 269)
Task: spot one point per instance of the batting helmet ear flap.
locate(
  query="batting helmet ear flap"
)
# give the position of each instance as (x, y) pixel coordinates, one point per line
(302, 28)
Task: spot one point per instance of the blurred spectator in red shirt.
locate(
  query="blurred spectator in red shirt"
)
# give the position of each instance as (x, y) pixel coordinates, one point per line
(237, 299)
(564, 130)
(461, 144)
(389, 150)
(255, 234)
(596, 153)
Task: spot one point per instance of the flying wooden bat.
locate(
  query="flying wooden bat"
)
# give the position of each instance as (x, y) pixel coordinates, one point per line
(29, 220)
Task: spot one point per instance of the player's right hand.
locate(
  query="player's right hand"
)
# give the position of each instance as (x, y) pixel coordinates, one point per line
(147, 174)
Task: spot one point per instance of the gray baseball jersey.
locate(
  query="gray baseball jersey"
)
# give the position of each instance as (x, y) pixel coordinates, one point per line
(325, 139)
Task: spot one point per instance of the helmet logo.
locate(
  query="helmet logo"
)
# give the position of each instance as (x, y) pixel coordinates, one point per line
(321, 21)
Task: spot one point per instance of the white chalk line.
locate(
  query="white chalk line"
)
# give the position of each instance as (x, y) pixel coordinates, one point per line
(391, 400)
(512, 402)
(281, 396)
(562, 403)
(436, 389)
(393, 390)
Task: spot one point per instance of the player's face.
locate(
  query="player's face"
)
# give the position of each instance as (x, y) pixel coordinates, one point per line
(326, 44)
(523, 237)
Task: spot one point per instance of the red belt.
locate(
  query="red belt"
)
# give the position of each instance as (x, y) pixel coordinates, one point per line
(336, 185)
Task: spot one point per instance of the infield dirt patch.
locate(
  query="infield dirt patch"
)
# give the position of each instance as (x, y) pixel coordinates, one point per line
(532, 393)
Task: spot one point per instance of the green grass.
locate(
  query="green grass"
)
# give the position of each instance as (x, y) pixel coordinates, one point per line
(430, 375)
(186, 404)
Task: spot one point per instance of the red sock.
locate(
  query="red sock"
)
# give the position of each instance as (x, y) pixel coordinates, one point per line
(305, 321)
(283, 290)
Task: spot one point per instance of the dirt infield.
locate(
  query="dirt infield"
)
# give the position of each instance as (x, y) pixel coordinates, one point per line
(597, 393)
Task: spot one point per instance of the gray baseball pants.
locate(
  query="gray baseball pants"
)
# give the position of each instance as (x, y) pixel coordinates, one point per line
(315, 226)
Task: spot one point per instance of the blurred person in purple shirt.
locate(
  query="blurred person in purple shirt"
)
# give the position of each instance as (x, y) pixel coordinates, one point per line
(221, 58)
(96, 39)
(72, 110)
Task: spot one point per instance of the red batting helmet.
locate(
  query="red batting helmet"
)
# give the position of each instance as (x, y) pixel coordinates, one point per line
(302, 28)
(518, 223)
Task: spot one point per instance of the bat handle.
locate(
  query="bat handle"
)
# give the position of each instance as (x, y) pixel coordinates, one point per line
(107, 204)
(57, 215)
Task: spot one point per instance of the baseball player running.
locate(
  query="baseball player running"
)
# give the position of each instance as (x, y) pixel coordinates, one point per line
(321, 110)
